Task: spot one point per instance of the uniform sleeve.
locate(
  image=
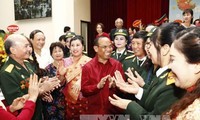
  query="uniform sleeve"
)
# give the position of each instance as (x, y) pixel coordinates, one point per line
(25, 114)
(163, 103)
(88, 88)
(10, 88)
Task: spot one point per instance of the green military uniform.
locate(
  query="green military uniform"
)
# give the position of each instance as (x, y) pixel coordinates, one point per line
(122, 57)
(158, 98)
(133, 63)
(14, 80)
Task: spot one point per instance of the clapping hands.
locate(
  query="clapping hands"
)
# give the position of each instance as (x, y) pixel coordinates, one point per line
(138, 79)
(130, 87)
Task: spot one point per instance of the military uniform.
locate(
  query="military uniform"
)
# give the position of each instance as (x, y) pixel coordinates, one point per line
(158, 98)
(134, 64)
(122, 57)
(14, 80)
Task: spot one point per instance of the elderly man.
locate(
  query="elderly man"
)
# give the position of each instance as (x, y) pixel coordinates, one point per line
(97, 84)
(118, 25)
(16, 71)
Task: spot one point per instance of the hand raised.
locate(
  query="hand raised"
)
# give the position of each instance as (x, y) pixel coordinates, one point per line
(17, 104)
(138, 79)
(49, 84)
(33, 90)
(102, 82)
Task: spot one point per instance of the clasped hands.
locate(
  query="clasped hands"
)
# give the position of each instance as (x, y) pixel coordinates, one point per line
(47, 86)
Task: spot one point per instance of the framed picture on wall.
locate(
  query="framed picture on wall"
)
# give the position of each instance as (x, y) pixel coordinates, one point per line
(30, 9)
(85, 34)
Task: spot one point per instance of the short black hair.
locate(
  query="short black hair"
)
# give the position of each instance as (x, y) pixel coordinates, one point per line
(66, 28)
(77, 37)
(56, 44)
(62, 37)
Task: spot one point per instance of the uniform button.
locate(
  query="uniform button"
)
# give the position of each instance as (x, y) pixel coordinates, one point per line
(80, 111)
(72, 107)
(80, 105)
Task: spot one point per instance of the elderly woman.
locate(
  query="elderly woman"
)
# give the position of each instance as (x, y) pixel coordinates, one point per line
(185, 64)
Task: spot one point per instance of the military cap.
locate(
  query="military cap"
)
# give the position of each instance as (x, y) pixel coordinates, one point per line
(121, 32)
(70, 34)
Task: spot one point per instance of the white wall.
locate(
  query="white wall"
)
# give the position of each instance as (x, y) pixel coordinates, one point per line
(63, 14)
(82, 12)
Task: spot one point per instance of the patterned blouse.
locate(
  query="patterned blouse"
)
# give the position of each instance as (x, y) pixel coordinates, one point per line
(192, 112)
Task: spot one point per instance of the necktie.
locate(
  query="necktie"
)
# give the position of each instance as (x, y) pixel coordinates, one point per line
(118, 55)
(140, 62)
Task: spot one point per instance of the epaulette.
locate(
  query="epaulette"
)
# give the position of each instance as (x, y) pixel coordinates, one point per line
(163, 76)
(130, 51)
(26, 61)
(128, 57)
(9, 68)
(113, 52)
(170, 78)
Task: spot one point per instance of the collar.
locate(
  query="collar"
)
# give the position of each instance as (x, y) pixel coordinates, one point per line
(97, 61)
(122, 51)
(161, 70)
(143, 59)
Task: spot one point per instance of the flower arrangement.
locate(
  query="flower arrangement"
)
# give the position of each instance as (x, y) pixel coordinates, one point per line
(3, 54)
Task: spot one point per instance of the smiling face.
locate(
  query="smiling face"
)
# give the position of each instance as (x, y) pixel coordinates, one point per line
(184, 71)
(21, 49)
(38, 41)
(103, 49)
(137, 47)
(99, 29)
(57, 53)
(153, 53)
(76, 48)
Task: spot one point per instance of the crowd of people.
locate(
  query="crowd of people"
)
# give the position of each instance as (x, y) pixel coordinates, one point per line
(153, 70)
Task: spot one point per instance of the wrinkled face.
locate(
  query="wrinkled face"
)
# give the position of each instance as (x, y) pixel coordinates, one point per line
(118, 23)
(99, 29)
(57, 53)
(22, 49)
(152, 52)
(137, 47)
(120, 41)
(187, 17)
(76, 48)
(104, 49)
(184, 72)
(38, 41)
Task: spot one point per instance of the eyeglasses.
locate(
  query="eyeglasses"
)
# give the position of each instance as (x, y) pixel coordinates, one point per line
(147, 45)
(105, 47)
